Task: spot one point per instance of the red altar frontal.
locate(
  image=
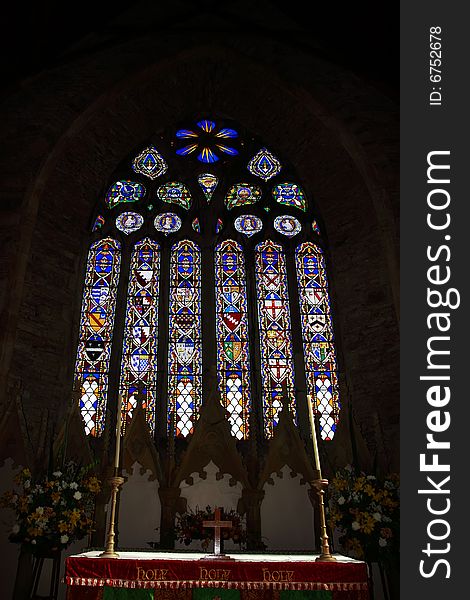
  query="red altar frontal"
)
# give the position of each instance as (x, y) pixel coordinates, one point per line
(186, 576)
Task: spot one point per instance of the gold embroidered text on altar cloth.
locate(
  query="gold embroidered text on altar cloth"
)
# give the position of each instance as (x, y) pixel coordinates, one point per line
(214, 574)
(277, 575)
(151, 574)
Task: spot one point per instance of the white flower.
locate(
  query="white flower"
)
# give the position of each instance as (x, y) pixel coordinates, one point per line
(370, 477)
(348, 468)
(40, 510)
(377, 516)
(33, 541)
(382, 542)
(15, 528)
(341, 500)
(57, 473)
(73, 485)
(64, 539)
(355, 496)
(355, 525)
(77, 495)
(27, 484)
(388, 485)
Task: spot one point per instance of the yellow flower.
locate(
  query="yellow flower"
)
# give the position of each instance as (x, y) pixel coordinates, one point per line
(339, 484)
(62, 526)
(35, 531)
(55, 497)
(367, 522)
(359, 485)
(354, 547)
(369, 490)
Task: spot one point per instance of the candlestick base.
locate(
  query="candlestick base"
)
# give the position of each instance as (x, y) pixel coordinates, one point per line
(320, 485)
(110, 552)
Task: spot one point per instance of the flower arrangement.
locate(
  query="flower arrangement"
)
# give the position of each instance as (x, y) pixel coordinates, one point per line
(189, 527)
(53, 511)
(365, 511)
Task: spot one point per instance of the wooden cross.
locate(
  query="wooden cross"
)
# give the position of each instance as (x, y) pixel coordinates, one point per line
(217, 524)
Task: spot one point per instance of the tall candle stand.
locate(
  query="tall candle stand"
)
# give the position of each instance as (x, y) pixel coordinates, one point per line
(319, 485)
(115, 482)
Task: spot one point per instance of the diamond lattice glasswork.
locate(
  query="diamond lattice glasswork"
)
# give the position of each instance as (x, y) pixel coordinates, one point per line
(185, 346)
(232, 335)
(139, 354)
(317, 333)
(96, 330)
(277, 362)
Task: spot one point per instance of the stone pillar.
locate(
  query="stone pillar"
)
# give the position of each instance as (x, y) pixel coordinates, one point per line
(171, 501)
(251, 501)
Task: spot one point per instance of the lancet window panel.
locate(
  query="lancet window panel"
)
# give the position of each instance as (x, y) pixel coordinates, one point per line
(140, 345)
(185, 339)
(277, 364)
(232, 335)
(96, 330)
(317, 333)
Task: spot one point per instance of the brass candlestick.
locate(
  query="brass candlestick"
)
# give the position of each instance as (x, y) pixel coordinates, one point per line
(115, 482)
(110, 552)
(319, 485)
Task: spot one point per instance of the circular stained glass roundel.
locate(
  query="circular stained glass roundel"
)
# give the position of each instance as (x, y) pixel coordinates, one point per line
(287, 225)
(128, 222)
(248, 224)
(167, 223)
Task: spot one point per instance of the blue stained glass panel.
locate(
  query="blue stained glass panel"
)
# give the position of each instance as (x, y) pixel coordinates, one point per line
(139, 355)
(185, 345)
(124, 191)
(317, 333)
(150, 163)
(277, 363)
(96, 331)
(264, 165)
(232, 335)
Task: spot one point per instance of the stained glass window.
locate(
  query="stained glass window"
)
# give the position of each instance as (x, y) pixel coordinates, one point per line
(241, 194)
(96, 330)
(167, 223)
(208, 140)
(150, 163)
(99, 222)
(208, 183)
(287, 225)
(290, 194)
(196, 225)
(315, 227)
(175, 193)
(129, 222)
(139, 355)
(317, 332)
(248, 224)
(232, 335)
(264, 165)
(185, 345)
(124, 191)
(277, 365)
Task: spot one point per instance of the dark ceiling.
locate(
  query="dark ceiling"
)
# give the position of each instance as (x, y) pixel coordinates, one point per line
(363, 37)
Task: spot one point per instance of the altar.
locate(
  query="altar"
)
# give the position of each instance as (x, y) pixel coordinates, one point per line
(185, 576)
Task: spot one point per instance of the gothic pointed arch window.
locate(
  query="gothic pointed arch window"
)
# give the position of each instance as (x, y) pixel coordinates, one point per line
(206, 250)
